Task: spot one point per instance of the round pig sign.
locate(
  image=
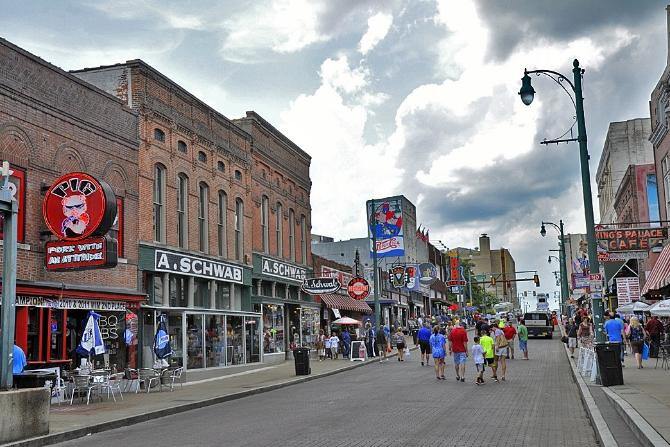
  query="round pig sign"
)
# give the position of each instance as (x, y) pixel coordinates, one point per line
(77, 206)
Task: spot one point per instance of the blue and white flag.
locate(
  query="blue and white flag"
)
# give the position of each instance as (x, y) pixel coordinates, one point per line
(91, 340)
(162, 346)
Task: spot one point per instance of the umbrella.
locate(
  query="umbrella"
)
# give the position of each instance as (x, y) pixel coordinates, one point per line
(91, 340)
(162, 346)
(637, 306)
(346, 321)
(662, 308)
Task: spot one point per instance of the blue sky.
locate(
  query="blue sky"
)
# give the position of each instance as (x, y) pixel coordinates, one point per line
(392, 96)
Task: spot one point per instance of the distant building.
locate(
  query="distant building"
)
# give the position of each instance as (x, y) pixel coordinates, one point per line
(636, 199)
(626, 144)
(498, 264)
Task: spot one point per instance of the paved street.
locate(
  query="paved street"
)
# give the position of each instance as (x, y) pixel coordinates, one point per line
(387, 405)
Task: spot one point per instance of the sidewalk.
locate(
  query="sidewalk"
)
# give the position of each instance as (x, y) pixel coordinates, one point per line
(201, 389)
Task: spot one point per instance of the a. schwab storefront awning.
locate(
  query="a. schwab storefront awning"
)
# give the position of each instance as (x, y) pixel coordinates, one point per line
(660, 273)
(345, 302)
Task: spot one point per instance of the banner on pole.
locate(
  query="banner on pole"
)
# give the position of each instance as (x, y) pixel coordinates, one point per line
(385, 221)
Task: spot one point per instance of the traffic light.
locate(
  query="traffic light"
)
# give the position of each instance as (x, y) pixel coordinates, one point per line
(493, 281)
(536, 280)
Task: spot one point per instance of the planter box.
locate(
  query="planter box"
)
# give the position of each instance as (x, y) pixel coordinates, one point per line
(25, 413)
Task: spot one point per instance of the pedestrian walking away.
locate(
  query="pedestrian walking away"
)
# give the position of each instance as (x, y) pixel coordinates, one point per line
(400, 344)
(334, 345)
(369, 339)
(571, 332)
(637, 337)
(655, 331)
(522, 330)
(346, 342)
(458, 342)
(488, 344)
(615, 332)
(438, 346)
(510, 334)
(478, 356)
(321, 345)
(424, 343)
(381, 343)
(328, 343)
(501, 350)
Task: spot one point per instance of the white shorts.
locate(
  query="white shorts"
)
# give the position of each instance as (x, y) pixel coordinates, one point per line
(502, 352)
(572, 342)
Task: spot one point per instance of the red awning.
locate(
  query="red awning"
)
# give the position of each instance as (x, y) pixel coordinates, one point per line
(660, 273)
(345, 302)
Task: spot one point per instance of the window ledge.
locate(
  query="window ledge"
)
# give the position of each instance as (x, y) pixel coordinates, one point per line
(18, 245)
(123, 261)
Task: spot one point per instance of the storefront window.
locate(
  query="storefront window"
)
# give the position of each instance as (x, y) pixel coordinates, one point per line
(294, 326)
(56, 342)
(148, 332)
(280, 290)
(157, 289)
(222, 295)
(273, 328)
(310, 327)
(266, 288)
(214, 340)
(112, 327)
(234, 349)
(292, 293)
(176, 341)
(34, 319)
(194, 339)
(252, 328)
(178, 291)
(201, 292)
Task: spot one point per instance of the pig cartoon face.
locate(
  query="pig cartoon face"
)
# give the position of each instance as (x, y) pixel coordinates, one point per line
(76, 218)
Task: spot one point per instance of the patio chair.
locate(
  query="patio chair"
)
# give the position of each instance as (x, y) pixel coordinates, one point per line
(663, 356)
(174, 375)
(131, 377)
(82, 383)
(105, 382)
(59, 390)
(147, 376)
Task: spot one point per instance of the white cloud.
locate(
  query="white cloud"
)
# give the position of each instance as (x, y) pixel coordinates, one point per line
(338, 74)
(378, 27)
(134, 9)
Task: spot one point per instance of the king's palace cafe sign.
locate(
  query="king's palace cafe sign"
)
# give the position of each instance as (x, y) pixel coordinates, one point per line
(69, 303)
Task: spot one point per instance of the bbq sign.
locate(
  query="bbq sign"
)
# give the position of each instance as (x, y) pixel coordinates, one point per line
(77, 206)
(79, 210)
(630, 239)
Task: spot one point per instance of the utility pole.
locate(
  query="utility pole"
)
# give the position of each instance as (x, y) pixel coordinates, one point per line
(9, 209)
(375, 273)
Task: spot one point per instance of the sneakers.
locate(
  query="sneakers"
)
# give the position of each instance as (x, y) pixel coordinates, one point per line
(421, 362)
(495, 379)
(462, 379)
(458, 379)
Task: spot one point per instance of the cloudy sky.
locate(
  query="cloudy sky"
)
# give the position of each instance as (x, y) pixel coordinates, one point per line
(413, 97)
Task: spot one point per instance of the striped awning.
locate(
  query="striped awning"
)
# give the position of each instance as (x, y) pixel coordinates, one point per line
(660, 273)
(345, 302)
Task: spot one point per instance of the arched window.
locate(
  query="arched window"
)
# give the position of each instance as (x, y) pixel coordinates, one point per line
(202, 157)
(278, 230)
(221, 166)
(159, 135)
(159, 203)
(265, 223)
(291, 233)
(182, 147)
(182, 210)
(303, 239)
(238, 175)
(203, 208)
(222, 220)
(239, 230)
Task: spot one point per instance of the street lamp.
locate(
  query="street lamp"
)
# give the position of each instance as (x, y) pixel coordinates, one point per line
(527, 94)
(565, 291)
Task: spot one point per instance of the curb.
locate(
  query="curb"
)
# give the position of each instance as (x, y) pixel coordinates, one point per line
(143, 417)
(643, 431)
(603, 433)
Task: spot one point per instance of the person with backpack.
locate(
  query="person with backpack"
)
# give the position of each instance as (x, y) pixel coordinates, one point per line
(501, 344)
(636, 337)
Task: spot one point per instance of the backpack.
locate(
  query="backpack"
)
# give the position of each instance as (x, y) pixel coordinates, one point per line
(501, 341)
(636, 334)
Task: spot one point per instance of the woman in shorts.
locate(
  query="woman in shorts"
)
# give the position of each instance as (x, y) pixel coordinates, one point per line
(399, 339)
(438, 345)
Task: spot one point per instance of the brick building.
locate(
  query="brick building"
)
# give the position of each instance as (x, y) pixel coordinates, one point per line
(195, 181)
(281, 237)
(52, 123)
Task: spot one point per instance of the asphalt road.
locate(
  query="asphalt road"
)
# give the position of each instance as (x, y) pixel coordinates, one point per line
(390, 404)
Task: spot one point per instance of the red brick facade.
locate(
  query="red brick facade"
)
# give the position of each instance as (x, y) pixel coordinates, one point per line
(52, 123)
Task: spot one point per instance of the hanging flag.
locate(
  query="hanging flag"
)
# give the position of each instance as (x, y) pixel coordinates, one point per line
(91, 340)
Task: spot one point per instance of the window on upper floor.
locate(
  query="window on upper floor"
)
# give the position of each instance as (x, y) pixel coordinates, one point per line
(118, 227)
(182, 147)
(239, 229)
(265, 218)
(182, 210)
(159, 203)
(203, 221)
(303, 239)
(221, 166)
(222, 224)
(279, 233)
(291, 234)
(159, 135)
(202, 157)
(238, 175)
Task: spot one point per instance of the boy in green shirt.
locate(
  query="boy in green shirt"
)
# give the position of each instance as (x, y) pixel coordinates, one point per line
(487, 345)
(522, 330)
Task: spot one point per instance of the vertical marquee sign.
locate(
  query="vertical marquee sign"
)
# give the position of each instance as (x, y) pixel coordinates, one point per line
(79, 210)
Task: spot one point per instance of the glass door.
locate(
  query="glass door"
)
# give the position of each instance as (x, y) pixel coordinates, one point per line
(194, 336)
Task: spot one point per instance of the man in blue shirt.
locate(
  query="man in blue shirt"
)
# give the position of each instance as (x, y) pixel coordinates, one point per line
(424, 342)
(19, 362)
(346, 342)
(614, 328)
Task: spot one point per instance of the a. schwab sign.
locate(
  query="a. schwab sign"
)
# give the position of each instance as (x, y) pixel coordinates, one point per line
(272, 267)
(168, 261)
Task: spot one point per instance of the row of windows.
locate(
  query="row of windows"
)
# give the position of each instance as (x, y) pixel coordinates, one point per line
(159, 210)
(279, 231)
(182, 147)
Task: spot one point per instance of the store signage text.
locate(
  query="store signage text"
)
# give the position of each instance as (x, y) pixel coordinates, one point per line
(318, 286)
(358, 288)
(631, 239)
(282, 270)
(167, 261)
(70, 303)
(90, 253)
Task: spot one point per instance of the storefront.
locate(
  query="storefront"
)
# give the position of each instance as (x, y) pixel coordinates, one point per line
(337, 305)
(205, 304)
(290, 317)
(50, 323)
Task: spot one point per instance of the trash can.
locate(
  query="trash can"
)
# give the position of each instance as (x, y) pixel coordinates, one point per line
(301, 357)
(608, 356)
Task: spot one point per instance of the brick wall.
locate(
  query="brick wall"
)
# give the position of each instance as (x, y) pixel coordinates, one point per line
(52, 123)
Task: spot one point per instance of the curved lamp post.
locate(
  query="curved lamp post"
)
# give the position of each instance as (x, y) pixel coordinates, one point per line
(565, 291)
(527, 94)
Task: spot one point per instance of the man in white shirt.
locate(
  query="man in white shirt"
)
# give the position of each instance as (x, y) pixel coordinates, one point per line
(334, 344)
